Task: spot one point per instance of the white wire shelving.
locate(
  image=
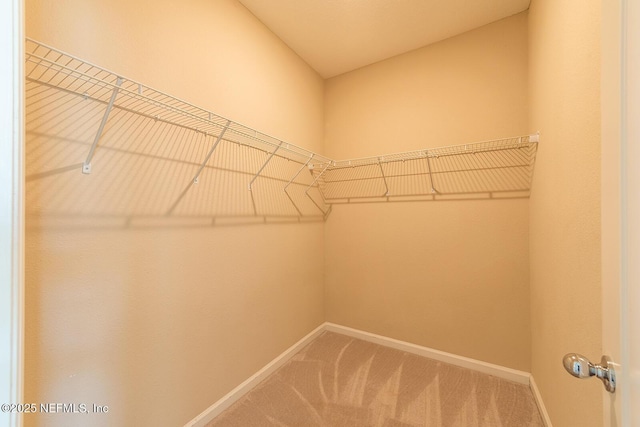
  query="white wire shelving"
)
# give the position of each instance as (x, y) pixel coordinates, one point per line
(61, 89)
(167, 157)
(499, 167)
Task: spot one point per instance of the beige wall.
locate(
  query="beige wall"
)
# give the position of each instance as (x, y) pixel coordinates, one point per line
(155, 322)
(564, 91)
(451, 275)
(160, 322)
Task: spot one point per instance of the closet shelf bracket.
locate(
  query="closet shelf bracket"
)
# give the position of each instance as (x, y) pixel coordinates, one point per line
(384, 179)
(433, 190)
(213, 148)
(264, 165)
(306, 192)
(86, 166)
(202, 166)
(306, 165)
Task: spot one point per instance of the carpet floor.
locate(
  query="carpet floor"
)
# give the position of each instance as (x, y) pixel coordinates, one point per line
(341, 381)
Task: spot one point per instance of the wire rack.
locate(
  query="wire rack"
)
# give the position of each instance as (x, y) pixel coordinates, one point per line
(502, 166)
(150, 154)
(71, 100)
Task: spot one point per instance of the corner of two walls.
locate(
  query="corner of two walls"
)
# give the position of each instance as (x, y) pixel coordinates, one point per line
(159, 322)
(104, 308)
(450, 275)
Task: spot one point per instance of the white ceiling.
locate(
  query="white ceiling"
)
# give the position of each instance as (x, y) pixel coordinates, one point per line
(336, 36)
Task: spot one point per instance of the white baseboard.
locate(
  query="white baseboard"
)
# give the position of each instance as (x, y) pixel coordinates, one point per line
(514, 375)
(234, 395)
(543, 410)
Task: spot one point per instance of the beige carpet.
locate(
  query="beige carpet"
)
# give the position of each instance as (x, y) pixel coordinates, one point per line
(341, 381)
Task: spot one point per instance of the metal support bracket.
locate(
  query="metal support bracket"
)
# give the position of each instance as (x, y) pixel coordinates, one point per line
(86, 166)
(200, 169)
(384, 178)
(213, 148)
(292, 179)
(433, 190)
(306, 192)
(264, 165)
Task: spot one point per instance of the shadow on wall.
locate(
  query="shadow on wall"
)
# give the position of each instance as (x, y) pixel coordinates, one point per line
(151, 160)
(149, 173)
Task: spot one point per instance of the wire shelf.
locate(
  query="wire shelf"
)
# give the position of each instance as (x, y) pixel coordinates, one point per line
(74, 102)
(489, 167)
(160, 156)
